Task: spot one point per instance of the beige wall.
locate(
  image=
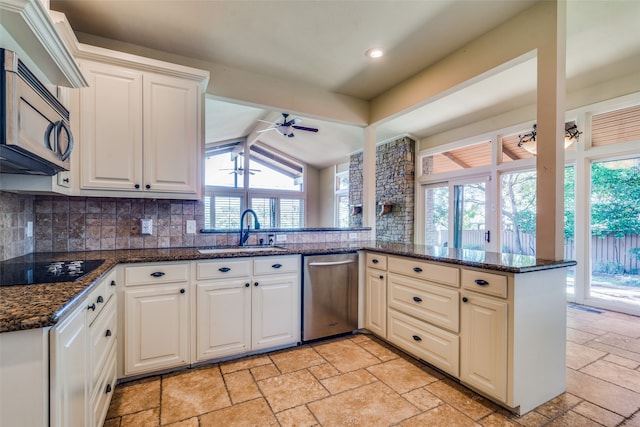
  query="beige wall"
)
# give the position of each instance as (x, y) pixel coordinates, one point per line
(326, 197)
(312, 187)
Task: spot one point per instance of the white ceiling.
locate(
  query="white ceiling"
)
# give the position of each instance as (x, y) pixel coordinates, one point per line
(321, 44)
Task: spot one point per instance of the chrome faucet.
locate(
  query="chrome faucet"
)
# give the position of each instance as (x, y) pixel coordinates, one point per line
(244, 234)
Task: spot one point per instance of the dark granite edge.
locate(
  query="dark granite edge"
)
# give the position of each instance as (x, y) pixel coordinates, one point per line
(284, 230)
(76, 291)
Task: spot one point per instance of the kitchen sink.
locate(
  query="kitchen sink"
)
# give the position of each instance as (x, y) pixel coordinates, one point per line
(231, 249)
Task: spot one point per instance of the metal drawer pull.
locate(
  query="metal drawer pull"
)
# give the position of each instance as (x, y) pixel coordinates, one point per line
(481, 282)
(375, 261)
(92, 307)
(417, 338)
(157, 274)
(100, 299)
(465, 299)
(417, 269)
(182, 291)
(224, 269)
(381, 276)
(108, 333)
(113, 283)
(108, 389)
(417, 299)
(276, 265)
(246, 285)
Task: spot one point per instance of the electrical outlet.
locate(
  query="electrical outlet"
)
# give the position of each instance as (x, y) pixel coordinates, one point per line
(29, 228)
(146, 227)
(191, 226)
(281, 238)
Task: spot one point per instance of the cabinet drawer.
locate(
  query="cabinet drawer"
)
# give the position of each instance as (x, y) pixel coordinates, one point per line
(97, 300)
(156, 273)
(102, 339)
(376, 261)
(276, 265)
(435, 304)
(427, 342)
(221, 269)
(486, 283)
(103, 391)
(424, 270)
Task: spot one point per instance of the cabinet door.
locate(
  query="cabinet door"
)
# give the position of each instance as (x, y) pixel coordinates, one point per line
(69, 379)
(110, 128)
(224, 318)
(483, 352)
(172, 144)
(375, 318)
(156, 328)
(275, 311)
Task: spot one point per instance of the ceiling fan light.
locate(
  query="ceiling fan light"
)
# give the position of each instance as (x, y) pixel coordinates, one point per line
(374, 52)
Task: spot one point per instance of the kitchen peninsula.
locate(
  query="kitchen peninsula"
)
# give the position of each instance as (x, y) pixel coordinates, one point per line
(508, 311)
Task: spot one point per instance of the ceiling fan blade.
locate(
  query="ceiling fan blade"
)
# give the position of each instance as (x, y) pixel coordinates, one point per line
(265, 130)
(305, 128)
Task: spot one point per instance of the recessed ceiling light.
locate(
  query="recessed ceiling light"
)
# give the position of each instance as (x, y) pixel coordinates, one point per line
(374, 52)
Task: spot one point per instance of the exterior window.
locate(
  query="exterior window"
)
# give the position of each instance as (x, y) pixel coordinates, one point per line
(342, 199)
(275, 189)
(222, 212)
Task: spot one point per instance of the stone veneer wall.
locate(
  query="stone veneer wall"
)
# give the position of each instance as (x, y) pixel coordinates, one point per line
(15, 211)
(90, 223)
(395, 178)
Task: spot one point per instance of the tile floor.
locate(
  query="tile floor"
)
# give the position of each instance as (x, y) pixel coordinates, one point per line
(360, 381)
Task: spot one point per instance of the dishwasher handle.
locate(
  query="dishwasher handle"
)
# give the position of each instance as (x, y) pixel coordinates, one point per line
(327, 263)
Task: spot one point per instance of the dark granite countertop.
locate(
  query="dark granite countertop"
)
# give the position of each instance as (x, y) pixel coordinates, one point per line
(42, 305)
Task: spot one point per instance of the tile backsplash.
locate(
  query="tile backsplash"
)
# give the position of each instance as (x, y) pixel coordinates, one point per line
(15, 211)
(94, 223)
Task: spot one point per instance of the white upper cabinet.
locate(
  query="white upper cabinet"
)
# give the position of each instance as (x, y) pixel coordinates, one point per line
(140, 127)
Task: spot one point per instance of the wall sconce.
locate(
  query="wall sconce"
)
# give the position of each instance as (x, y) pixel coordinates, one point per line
(528, 140)
(356, 210)
(387, 207)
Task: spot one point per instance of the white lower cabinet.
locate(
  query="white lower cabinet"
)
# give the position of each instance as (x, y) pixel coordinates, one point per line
(69, 385)
(246, 305)
(83, 360)
(484, 342)
(156, 328)
(375, 316)
(501, 334)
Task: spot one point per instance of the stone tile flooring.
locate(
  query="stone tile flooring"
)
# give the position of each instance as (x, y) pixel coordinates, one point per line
(360, 381)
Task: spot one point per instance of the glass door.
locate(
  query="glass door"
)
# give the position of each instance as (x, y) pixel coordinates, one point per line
(456, 214)
(615, 229)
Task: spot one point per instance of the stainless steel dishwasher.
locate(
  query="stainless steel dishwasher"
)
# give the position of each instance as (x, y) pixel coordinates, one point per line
(330, 295)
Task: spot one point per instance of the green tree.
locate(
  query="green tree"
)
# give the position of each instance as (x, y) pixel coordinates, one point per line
(615, 198)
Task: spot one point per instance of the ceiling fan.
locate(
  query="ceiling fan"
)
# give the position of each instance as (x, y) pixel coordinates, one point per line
(240, 171)
(286, 126)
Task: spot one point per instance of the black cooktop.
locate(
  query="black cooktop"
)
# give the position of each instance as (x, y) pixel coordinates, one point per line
(26, 273)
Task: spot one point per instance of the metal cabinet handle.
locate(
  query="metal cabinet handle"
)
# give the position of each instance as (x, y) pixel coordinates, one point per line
(100, 299)
(416, 338)
(417, 269)
(182, 291)
(481, 282)
(465, 299)
(113, 283)
(137, 186)
(276, 266)
(108, 333)
(246, 285)
(375, 261)
(256, 284)
(381, 276)
(148, 187)
(107, 389)
(158, 274)
(417, 299)
(92, 307)
(224, 269)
